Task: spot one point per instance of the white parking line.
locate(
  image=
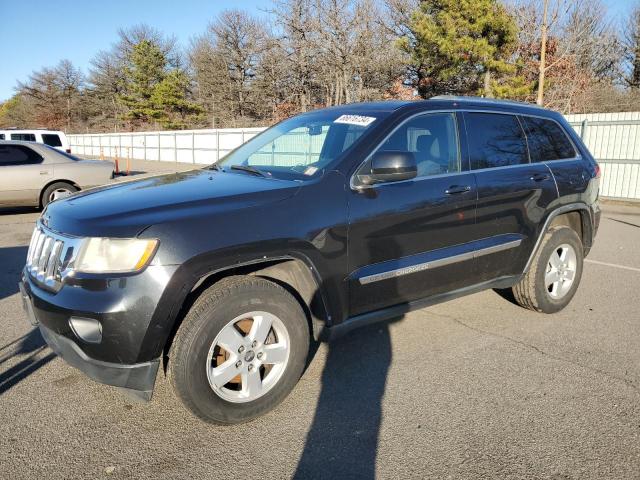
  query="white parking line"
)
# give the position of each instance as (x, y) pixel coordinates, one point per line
(614, 265)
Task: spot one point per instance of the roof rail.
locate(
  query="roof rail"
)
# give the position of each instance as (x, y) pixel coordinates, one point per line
(480, 99)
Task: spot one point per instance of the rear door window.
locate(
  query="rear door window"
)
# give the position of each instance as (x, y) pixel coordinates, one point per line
(25, 137)
(18, 155)
(547, 140)
(51, 139)
(495, 140)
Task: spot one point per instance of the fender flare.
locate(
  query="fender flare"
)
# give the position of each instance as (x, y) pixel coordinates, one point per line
(572, 207)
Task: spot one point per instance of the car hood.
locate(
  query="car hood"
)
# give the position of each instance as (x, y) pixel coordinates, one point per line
(124, 209)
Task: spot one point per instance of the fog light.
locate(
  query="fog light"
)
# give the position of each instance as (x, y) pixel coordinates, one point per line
(87, 329)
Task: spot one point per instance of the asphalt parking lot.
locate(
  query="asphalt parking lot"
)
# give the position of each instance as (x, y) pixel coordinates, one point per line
(474, 388)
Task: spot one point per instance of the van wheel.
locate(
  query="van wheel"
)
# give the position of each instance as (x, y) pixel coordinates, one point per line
(55, 191)
(555, 272)
(240, 350)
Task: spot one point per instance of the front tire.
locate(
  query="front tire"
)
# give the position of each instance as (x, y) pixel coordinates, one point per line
(240, 350)
(555, 272)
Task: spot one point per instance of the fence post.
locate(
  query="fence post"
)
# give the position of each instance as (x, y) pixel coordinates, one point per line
(583, 129)
(193, 147)
(217, 144)
(159, 146)
(175, 150)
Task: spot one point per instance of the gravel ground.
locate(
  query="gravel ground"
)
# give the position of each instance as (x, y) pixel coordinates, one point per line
(473, 388)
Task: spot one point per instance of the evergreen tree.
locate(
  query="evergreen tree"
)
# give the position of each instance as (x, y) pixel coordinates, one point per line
(171, 106)
(146, 69)
(460, 47)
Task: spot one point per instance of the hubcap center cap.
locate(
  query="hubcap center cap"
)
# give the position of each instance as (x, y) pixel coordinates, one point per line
(249, 356)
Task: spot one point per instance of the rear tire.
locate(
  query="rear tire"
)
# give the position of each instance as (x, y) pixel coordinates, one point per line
(554, 274)
(221, 367)
(55, 191)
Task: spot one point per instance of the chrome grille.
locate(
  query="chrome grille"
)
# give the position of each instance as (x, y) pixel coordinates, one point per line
(48, 257)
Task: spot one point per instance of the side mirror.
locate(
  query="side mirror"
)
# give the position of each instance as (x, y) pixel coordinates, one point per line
(391, 166)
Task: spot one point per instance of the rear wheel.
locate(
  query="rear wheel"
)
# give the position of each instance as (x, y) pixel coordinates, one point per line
(55, 191)
(555, 272)
(239, 351)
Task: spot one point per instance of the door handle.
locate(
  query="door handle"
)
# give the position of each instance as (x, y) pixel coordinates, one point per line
(457, 189)
(540, 177)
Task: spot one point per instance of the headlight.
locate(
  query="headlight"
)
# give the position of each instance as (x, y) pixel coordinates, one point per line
(114, 255)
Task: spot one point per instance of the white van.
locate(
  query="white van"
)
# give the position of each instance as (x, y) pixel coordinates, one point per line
(53, 138)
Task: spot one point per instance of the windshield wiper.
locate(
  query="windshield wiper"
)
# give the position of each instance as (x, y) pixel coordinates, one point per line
(247, 168)
(214, 166)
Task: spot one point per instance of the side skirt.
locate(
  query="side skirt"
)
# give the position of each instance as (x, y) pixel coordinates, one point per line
(369, 318)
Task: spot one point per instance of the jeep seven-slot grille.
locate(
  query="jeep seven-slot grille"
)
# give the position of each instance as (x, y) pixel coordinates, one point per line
(45, 257)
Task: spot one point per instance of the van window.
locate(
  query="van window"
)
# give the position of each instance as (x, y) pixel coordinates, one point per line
(18, 155)
(432, 138)
(547, 140)
(51, 139)
(1, 136)
(495, 140)
(25, 137)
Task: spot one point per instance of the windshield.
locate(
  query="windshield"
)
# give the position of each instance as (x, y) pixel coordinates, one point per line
(301, 146)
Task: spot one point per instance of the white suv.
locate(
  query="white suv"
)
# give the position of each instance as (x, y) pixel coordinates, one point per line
(53, 138)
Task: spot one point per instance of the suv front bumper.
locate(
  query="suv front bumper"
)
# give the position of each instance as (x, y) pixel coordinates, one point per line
(118, 359)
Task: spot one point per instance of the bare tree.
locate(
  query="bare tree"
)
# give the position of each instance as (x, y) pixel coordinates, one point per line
(631, 43)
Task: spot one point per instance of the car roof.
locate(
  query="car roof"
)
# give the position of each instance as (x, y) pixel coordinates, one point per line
(441, 101)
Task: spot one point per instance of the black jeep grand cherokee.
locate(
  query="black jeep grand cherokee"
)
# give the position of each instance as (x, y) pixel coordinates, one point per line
(327, 221)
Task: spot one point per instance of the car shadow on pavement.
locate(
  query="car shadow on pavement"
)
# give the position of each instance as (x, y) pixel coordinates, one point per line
(12, 260)
(343, 439)
(17, 210)
(31, 344)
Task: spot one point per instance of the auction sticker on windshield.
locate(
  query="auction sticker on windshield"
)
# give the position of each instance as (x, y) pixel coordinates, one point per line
(355, 120)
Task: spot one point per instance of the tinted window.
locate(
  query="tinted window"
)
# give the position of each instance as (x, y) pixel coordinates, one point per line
(51, 139)
(432, 138)
(25, 137)
(18, 155)
(1, 136)
(547, 141)
(495, 140)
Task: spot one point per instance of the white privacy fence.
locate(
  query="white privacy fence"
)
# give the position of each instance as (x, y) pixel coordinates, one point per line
(187, 146)
(613, 138)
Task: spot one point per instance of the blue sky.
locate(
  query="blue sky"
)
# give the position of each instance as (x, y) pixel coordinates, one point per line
(40, 33)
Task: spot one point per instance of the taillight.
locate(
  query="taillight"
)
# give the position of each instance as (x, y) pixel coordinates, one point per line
(597, 171)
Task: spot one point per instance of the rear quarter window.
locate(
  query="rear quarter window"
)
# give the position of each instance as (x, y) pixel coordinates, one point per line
(51, 139)
(547, 140)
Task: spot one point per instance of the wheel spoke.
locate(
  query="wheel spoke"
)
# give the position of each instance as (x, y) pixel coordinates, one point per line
(555, 260)
(570, 274)
(260, 328)
(251, 383)
(551, 277)
(275, 353)
(230, 339)
(223, 374)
